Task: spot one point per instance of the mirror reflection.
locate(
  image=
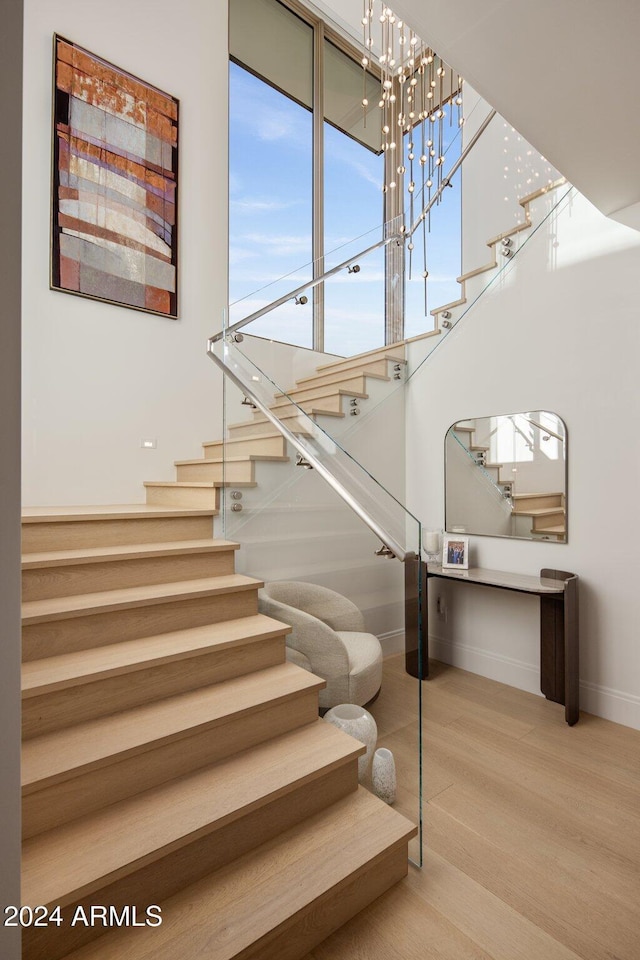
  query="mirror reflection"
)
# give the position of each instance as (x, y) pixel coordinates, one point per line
(506, 476)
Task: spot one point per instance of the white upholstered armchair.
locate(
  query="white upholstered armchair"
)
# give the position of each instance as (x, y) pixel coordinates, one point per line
(328, 638)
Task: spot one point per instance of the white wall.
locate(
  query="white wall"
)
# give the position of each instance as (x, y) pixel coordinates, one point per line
(10, 185)
(510, 169)
(560, 333)
(98, 378)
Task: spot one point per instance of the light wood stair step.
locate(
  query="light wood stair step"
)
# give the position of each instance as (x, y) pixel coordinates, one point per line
(280, 900)
(75, 687)
(77, 770)
(66, 572)
(298, 423)
(376, 369)
(63, 624)
(267, 444)
(62, 608)
(355, 387)
(394, 353)
(75, 527)
(231, 469)
(538, 511)
(63, 865)
(188, 493)
(328, 405)
(449, 306)
(555, 531)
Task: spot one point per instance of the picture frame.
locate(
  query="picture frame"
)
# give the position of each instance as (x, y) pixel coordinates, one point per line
(114, 189)
(455, 551)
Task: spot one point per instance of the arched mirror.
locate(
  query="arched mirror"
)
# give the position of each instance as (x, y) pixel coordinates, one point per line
(506, 476)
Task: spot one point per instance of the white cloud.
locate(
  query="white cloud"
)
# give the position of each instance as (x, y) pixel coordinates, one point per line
(253, 205)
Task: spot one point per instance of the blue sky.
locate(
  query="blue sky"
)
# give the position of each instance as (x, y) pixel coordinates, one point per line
(271, 220)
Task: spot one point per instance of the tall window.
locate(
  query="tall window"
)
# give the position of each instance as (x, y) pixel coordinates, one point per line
(306, 176)
(270, 205)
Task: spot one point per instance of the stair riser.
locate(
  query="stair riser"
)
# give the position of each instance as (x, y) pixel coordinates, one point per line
(260, 446)
(256, 428)
(551, 520)
(309, 927)
(54, 637)
(380, 369)
(355, 384)
(536, 503)
(64, 708)
(229, 473)
(51, 806)
(177, 869)
(393, 354)
(66, 581)
(331, 404)
(199, 498)
(78, 534)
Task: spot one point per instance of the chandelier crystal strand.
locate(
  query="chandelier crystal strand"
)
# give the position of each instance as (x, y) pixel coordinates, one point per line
(413, 83)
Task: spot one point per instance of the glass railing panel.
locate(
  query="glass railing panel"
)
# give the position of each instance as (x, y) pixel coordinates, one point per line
(292, 525)
(368, 497)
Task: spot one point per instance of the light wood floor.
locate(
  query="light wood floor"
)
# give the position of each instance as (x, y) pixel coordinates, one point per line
(532, 831)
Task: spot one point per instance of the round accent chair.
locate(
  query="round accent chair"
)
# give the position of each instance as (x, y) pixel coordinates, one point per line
(328, 638)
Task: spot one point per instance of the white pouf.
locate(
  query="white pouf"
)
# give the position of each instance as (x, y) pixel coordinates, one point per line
(383, 775)
(358, 723)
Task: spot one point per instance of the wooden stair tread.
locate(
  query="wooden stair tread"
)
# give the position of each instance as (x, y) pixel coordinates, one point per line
(313, 412)
(63, 754)
(361, 359)
(208, 484)
(133, 552)
(539, 512)
(332, 391)
(59, 608)
(71, 669)
(246, 459)
(82, 856)
(555, 530)
(448, 306)
(529, 496)
(118, 511)
(227, 913)
(259, 436)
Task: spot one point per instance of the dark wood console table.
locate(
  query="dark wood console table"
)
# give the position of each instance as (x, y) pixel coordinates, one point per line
(558, 592)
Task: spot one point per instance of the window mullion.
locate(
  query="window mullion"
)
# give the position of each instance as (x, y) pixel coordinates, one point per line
(318, 185)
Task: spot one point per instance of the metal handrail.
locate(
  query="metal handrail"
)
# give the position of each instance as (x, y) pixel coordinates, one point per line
(398, 551)
(398, 237)
(390, 542)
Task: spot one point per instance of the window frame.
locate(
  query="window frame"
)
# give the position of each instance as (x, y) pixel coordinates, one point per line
(394, 260)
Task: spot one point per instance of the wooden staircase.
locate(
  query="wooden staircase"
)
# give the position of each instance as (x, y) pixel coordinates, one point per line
(504, 241)
(329, 393)
(173, 759)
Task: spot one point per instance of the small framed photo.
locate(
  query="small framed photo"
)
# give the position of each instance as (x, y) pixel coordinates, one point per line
(455, 551)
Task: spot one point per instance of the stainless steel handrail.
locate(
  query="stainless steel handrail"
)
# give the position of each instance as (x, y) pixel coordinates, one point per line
(398, 237)
(388, 540)
(309, 285)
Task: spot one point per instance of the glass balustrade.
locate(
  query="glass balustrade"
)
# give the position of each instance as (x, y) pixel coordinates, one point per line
(315, 455)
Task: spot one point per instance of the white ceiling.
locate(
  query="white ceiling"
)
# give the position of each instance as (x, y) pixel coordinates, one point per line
(565, 73)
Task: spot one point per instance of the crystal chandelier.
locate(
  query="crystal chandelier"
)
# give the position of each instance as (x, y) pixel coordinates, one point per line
(419, 94)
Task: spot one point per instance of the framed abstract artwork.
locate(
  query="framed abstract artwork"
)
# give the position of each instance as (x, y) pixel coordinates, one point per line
(114, 186)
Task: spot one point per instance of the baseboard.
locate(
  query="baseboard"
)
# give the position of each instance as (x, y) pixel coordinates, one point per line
(605, 702)
(515, 673)
(615, 705)
(392, 642)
